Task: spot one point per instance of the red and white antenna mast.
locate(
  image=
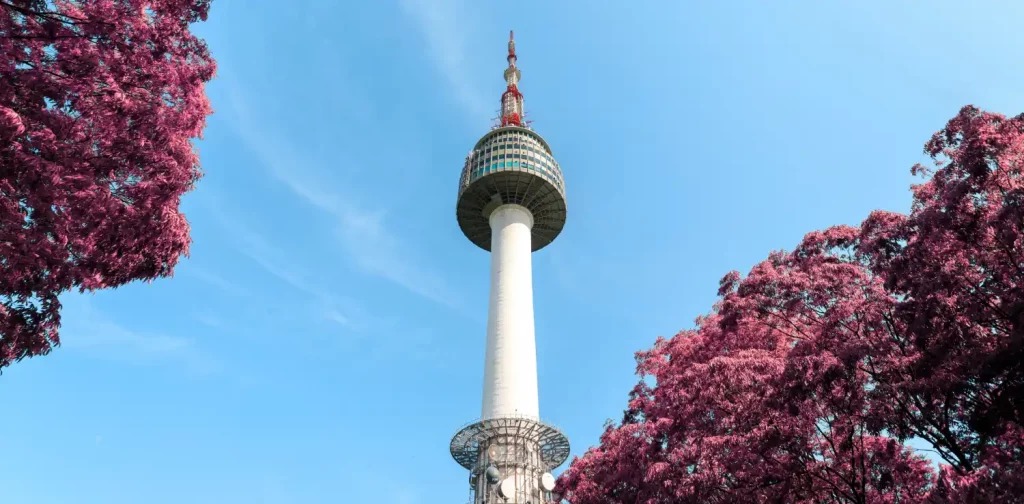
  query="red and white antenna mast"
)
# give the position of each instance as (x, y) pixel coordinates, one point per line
(512, 99)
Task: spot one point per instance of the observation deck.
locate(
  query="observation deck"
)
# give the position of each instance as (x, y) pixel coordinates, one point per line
(511, 165)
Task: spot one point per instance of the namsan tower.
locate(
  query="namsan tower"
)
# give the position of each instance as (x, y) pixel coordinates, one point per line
(511, 203)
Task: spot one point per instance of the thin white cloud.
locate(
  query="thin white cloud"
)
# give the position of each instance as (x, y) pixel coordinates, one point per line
(88, 330)
(215, 280)
(363, 233)
(378, 252)
(444, 24)
(261, 256)
(338, 318)
(258, 249)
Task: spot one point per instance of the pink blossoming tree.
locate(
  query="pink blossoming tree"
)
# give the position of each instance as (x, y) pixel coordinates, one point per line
(98, 102)
(813, 371)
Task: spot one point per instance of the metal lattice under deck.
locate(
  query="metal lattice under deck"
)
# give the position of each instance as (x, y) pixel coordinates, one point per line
(467, 443)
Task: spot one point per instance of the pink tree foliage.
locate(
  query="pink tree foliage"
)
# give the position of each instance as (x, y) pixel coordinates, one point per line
(811, 373)
(98, 102)
(741, 413)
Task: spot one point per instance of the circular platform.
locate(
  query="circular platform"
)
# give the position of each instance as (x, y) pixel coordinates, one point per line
(511, 165)
(467, 443)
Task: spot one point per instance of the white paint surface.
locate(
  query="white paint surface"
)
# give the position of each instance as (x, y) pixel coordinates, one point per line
(510, 371)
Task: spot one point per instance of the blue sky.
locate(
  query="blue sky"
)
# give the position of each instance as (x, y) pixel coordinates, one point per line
(326, 336)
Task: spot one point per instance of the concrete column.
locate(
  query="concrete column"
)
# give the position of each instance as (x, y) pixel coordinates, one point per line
(510, 371)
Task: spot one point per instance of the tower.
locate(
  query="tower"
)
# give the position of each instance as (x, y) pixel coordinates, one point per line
(511, 203)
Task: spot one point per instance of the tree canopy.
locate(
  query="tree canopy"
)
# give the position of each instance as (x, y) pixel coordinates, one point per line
(811, 374)
(99, 100)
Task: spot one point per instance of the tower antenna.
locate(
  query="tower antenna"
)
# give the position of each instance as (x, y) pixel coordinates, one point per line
(512, 99)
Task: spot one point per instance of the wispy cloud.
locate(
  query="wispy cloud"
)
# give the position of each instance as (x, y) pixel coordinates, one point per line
(215, 280)
(335, 316)
(379, 252)
(328, 305)
(88, 330)
(444, 25)
(363, 233)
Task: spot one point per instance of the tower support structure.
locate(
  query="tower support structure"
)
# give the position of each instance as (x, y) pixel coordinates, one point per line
(511, 202)
(510, 369)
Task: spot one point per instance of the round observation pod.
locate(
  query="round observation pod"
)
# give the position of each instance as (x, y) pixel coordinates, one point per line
(511, 165)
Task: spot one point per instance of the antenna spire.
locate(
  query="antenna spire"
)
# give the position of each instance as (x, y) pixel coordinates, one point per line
(512, 99)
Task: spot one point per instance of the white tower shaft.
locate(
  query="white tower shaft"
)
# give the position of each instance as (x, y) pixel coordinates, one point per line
(510, 370)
